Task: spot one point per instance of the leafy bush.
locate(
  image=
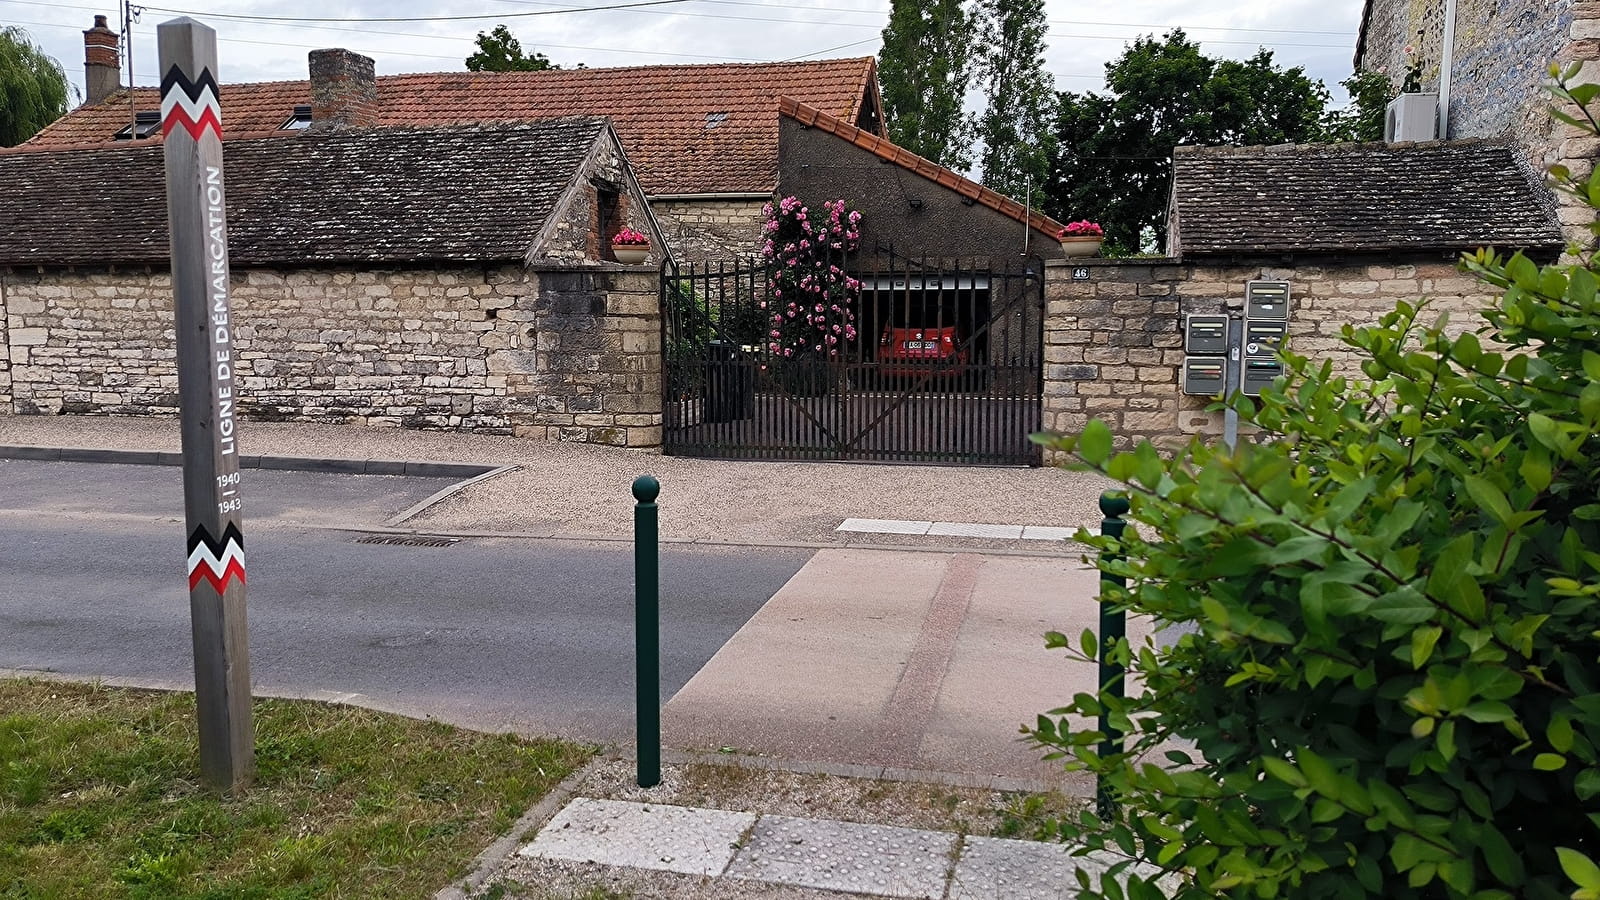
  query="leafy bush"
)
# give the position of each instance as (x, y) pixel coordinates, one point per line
(1392, 687)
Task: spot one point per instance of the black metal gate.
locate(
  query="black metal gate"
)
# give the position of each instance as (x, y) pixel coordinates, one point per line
(937, 365)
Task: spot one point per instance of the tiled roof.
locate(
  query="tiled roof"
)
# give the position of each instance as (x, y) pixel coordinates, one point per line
(1436, 196)
(687, 129)
(396, 195)
(883, 149)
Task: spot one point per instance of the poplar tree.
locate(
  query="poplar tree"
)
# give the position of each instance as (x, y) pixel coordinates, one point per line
(1016, 128)
(924, 70)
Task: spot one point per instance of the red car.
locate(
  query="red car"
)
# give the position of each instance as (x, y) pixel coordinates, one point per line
(913, 352)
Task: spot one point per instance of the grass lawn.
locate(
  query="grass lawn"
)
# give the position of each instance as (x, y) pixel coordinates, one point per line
(99, 797)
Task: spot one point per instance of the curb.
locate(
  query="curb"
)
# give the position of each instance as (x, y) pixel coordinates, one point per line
(490, 860)
(445, 493)
(414, 467)
(682, 542)
(1004, 783)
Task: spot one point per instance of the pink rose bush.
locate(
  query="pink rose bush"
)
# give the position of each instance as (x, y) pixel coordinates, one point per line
(811, 300)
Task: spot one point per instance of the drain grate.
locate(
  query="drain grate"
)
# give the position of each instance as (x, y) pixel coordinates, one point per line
(407, 540)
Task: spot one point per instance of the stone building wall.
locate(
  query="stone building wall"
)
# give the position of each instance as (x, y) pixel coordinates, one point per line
(574, 236)
(5, 352)
(1503, 50)
(561, 354)
(713, 230)
(1114, 341)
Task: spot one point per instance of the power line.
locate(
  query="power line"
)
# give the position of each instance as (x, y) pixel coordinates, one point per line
(503, 15)
(457, 58)
(285, 21)
(880, 12)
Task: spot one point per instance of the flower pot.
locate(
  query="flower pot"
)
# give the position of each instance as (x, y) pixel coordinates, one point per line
(631, 254)
(1087, 245)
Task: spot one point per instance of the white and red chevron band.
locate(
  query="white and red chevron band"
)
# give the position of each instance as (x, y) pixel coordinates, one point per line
(193, 106)
(216, 561)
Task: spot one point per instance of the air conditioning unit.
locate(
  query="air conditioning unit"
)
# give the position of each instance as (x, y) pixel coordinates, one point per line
(1412, 117)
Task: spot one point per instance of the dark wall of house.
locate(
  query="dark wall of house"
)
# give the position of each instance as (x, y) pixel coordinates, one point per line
(899, 207)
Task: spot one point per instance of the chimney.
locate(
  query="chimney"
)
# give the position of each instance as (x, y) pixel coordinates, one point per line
(102, 73)
(344, 90)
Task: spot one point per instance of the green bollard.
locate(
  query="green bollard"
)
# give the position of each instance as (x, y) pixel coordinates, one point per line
(1113, 627)
(647, 630)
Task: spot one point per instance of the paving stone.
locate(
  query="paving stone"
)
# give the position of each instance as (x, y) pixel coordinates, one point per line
(1047, 533)
(646, 836)
(1024, 870)
(844, 856)
(974, 529)
(884, 526)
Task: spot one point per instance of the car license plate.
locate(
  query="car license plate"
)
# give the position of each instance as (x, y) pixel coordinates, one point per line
(922, 345)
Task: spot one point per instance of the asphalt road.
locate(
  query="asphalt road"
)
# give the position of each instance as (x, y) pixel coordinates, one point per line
(533, 636)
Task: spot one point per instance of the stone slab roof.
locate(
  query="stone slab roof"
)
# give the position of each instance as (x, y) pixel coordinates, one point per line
(690, 129)
(881, 147)
(374, 195)
(1357, 198)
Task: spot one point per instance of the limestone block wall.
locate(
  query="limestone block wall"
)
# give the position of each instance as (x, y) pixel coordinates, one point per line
(1114, 340)
(5, 350)
(711, 229)
(564, 354)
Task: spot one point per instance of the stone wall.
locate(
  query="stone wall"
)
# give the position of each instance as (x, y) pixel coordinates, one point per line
(713, 230)
(1114, 341)
(1503, 50)
(5, 351)
(561, 354)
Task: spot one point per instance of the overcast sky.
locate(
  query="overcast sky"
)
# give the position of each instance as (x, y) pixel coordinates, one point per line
(1318, 35)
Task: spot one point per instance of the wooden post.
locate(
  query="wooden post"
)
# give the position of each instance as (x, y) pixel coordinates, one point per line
(191, 119)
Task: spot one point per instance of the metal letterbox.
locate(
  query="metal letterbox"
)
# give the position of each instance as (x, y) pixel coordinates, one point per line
(1205, 375)
(1257, 374)
(1205, 335)
(1263, 340)
(1266, 300)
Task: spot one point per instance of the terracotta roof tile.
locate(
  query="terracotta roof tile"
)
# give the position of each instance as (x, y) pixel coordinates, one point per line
(357, 195)
(1436, 196)
(880, 146)
(660, 112)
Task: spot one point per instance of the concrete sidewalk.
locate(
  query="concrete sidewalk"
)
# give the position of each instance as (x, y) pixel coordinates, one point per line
(906, 660)
(581, 491)
(752, 853)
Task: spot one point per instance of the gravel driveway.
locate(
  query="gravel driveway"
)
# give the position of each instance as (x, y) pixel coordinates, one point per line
(571, 490)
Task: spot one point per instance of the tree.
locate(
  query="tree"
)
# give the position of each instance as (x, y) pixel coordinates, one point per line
(500, 51)
(1114, 150)
(925, 68)
(1016, 126)
(1362, 120)
(1390, 684)
(33, 87)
